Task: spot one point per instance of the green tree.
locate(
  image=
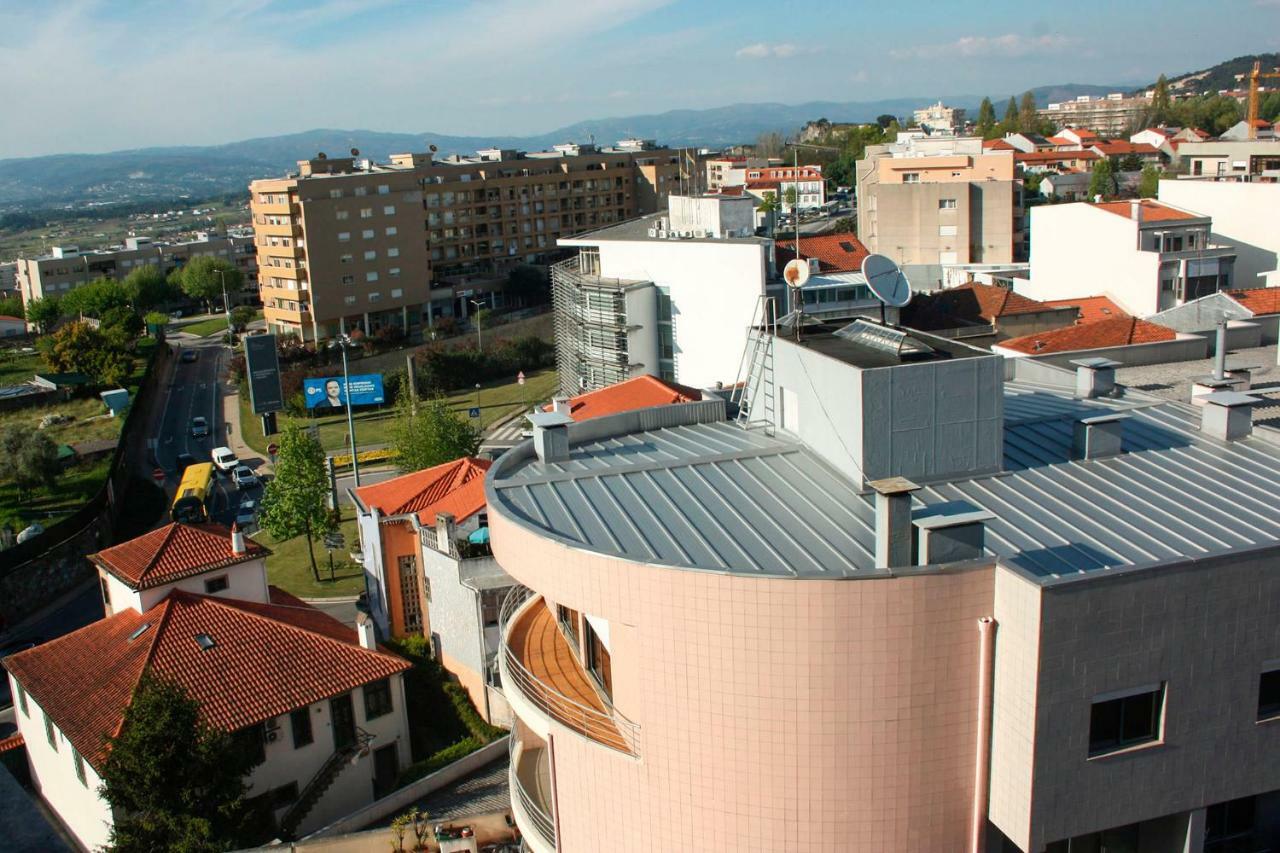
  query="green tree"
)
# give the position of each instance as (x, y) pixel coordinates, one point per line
(147, 287)
(986, 125)
(44, 312)
(79, 348)
(30, 459)
(175, 782)
(845, 225)
(884, 120)
(11, 306)
(1149, 183)
(790, 196)
(121, 327)
(294, 501)
(203, 276)
(769, 203)
(241, 317)
(1010, 122)
(1102, 182)
(1028, 117)
(95, 298)
(1130, 163)
(1161, 102)
(432, 435)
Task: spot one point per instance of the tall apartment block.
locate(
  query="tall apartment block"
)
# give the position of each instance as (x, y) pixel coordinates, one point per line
(939, 200)
(67, 267)
(1110, 115)
(932, 600)
(347, 243)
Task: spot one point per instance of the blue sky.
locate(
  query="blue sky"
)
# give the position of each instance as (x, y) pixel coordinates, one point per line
(100, 75)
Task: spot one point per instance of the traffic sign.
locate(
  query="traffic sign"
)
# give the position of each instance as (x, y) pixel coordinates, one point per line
(273, 449)
(474, 412)
(520, 378)
(157, 474)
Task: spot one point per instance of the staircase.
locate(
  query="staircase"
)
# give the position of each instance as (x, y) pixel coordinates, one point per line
(321, 782)
(754, 389)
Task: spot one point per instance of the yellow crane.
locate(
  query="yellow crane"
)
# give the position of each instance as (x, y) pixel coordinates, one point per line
(1254, 76)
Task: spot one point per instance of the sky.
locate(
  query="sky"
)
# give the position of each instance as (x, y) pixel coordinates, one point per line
(103, 75)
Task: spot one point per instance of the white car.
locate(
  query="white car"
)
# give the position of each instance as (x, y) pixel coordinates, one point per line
(224, 459)
(244, 477)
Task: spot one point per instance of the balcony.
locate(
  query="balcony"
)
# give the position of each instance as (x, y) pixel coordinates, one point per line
(541, 672)
(529, 779)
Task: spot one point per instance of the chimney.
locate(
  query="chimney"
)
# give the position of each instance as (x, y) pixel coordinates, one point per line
(1220, 352)
(1098, 437)
(550, 436)
(237, 539)
(1095, 377)
(366, 631)
(893, 521)
(1135, 210)
(560, 405)
(949, 532)
(1227, 415)
(445, 527)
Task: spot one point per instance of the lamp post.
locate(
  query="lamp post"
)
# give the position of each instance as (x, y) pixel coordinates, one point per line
(479, 337)
(342, 342)
(226, 306)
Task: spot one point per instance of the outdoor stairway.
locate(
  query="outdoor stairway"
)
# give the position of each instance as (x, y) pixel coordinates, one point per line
(321, 782)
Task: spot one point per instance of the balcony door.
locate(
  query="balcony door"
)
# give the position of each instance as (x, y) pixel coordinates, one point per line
(344, 721)
(598, 662)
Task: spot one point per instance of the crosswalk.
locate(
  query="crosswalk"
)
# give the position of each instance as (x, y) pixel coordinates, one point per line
(507, 433)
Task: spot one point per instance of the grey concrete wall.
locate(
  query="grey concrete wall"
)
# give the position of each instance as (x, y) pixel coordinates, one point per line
(827, 394)
(454, 608)
(1189, 348)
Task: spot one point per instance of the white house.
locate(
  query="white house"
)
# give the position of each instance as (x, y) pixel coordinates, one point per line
(1243, 216)
(326, 706)
(1145, 255)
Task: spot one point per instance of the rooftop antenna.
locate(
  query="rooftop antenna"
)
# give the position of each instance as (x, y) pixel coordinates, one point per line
(887, 282)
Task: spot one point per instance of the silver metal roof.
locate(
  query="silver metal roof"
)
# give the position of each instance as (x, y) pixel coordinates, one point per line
(715, 497)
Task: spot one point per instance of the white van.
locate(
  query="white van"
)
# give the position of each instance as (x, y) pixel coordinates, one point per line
(224, 459)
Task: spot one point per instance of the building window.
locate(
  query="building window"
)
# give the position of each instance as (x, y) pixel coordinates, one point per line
(383, 189)
(1269, 694)
(946, 204)
(491, 605)
(410, 601)
(911, 177)
(393, 252)
(345, 259)
(344, 236)
(340, 214)
(22, 699)
(215, 585)
(389, 210)
(599, 663)
(396, 292)
(367, 234)
(1123, 721)
(371, 275)
(79, 765)
(362, 191)
(377, 699)
(366, 213)
(391, 231)
(350, 300)
(300, 722)
(568, 619)
(50, 733)
(1229, 826)
(394, 272)
(348, 279)
(588, 261)
(376, 296)
(370, 255)
(335, 193)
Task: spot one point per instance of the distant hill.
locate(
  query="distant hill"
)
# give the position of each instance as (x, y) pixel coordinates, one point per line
(1208, 81)
(204, 171)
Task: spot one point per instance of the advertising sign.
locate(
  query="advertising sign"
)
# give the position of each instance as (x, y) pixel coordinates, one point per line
(264, 374)
(329, 393)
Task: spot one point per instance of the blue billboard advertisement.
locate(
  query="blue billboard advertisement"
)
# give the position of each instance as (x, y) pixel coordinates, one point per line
(329, 393)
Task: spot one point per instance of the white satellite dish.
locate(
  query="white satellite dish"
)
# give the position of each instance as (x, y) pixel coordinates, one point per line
(796, 273)
(886, 281)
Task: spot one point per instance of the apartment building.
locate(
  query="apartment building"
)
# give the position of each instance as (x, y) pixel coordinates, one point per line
(1241, 215)
(347, 243)
(939, 200)
(9, 277)
(1228, 160)
(961, 604)
(940, 118)
(1146, 255)
(68, 267)
(1111, 115)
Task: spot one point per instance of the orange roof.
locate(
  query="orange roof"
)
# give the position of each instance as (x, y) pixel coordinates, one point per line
(998, 145)
(1081, 132)
(1053, 156)
(11, 318)
(841, 252)
(1120, 146)
(1116, 332)
(1152, 210)
(642, 392)
(1092, 308)
(266, 660)
(1259, 300)
(12, 742)
(455, 487)
(995, 302)
(1062, 140)
(173, 552)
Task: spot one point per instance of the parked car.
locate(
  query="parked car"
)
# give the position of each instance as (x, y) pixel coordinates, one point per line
(224, 459)
(243, 477)
(199, 427)
(247, 514)
(190, 355)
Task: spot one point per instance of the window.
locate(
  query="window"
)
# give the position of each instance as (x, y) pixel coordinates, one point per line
(377, 699)
(371, 276)
(410, 601)
(393, 252)
(216, 585)
(22, 699)
(568, 619)
(366, 213)
(946, 204)
(1269, 694)
(384, 189)
(79, 764)
(348, 279)
(346, 259)
(1229, 826)
(911, 177)
(389, 210)
(350, 300)
(367, 234)
(397, 292)
(335, 193)
(344, 236)
(391, 231)
(362, 191)
(300, 723)
(599, 663)
(394, 272)
(340, 214)
(375, 296)
(1126, 720)
(50, 733)
(370, 254)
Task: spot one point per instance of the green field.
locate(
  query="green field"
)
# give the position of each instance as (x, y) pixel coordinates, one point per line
(497, 400)
(211, 325)
(95, 231)
(73, 490)
(289, 567)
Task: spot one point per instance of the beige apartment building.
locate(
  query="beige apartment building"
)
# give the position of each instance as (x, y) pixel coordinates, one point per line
(939, 200)
(1112, 115)
(348, 243)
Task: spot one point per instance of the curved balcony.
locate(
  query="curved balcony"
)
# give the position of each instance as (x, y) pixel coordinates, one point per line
(540, 672)
(530, 781)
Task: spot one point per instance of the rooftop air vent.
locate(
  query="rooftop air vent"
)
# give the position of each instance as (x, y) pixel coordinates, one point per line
(139, 631)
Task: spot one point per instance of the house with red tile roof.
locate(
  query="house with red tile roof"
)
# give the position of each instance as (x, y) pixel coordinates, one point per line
(642, 392)
(1054, 160)
(974, 305)
(1091, 308)
(806, 180)
(1119, 149)
(323, 702)
(838, 252)
(1079, 135)
(1104, 334)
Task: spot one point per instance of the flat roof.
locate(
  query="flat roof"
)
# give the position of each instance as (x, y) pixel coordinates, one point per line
(638, 229)
(716, 497)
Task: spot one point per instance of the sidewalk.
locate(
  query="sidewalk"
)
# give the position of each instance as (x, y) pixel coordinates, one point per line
(235, 439)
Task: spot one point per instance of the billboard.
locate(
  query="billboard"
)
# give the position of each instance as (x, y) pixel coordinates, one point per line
(263, 368)
(329, 393)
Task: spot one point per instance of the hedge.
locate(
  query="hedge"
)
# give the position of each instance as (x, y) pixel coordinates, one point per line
(343, 460)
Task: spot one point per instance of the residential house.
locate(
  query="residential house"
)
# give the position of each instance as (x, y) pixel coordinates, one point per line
(1243, 217)
(1262, 129)
(781, 182)
(1231, 160)
(1118, 150)
(1087, 337)
(1028, 142)
(974, 310)
(1049, 162)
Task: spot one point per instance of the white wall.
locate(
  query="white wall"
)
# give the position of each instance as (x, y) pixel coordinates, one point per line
(1243, 217)
(714, 289)
(245, 582)
(374, 582)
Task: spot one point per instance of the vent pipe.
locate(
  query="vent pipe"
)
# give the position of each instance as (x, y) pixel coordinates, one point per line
(1098, 437)
(893, 522)
(1220, 352)
(1227, 415)
(550, 436)
(1095, 377)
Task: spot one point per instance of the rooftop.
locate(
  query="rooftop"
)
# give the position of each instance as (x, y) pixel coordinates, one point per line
(638, 230)
(1152, 210)
(866, 344)
(641, 392)
(840, 252)
(1115, 332)
(1092, 308)
(455, 487)
(174, 552)
(1259, 300)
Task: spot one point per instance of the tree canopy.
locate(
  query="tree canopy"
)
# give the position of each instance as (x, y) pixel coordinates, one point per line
(147, 287)
(95, 298)
(79, 348)
(1102, 182)
(986, 123)
(11, 306)
(29, 460)
(44, 312)
(293, 503)
(1149, 183)
(432, 435)
(202, 278)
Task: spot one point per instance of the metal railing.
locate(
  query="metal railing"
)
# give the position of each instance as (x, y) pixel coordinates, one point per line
(608, 729)
(537, 813)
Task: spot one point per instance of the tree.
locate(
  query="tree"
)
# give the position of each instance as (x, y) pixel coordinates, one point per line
(1010, 122)
(1161, 102)
(1102, 182)
(1130, 163)
(30, 459)
(770, 144)
(174, 782)
(1149, 183)
(768, 204)
(147, 287)
(121, 326)
(11, 306)
(241, 317)
(432, 435)
(845, 225)
(1028, 117)
(790, 196)
(95, 298)
(44, 312)
(986, 125)
(294, 501)
(203, 276)
(79, 348)
(885, 120)
(530, 284)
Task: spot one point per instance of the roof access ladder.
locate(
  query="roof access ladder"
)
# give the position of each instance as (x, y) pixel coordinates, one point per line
(754, 390)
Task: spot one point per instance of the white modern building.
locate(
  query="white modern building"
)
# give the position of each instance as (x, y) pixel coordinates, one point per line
(1243, 216)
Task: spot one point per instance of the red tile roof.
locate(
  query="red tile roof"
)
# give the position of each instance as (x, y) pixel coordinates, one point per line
(1062, 140)
(455, 487)
(1081, 132)
(1152, 210)
(1117, 147)
(1117, 332)
(1259, 300)
(173, 552)
(1092, 308)
(1053, 156)
(997, 145)
(841, 252)
(11, 742)
(642, 392)
(995, 302)
(11, 318)
(267, 660)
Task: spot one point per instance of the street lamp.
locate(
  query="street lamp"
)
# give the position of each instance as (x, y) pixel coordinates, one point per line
(479, 337)
(342, 342)
(226, 306)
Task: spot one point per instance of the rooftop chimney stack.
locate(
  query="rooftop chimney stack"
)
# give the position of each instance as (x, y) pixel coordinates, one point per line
(1095, 377)
(366, 632)
(445, 528)
(1227, 415)
(1098, 437)
(237, 540)
(550, 436)
(893, 522)
(1135, 210)
(1220, 352)
(560, 404)
(950, 532)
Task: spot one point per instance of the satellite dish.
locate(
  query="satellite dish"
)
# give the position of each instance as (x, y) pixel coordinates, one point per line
(355, 152)
(886, 281)
(322, 156)
(796, 273)
(432, 149)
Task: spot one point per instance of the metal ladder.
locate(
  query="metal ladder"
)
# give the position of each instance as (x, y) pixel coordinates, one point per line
(755, 370)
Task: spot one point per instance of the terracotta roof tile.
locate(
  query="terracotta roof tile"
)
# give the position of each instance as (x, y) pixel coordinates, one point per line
(997, 145)
(841, 252)
(1092, 308)
(12, 742)
(1120, 331)
(1116, 147)
(1152, 210)
(455, 487)
(642, 392)
(173, 552)
(1053, 156)
(1259, 300)
(267, 660)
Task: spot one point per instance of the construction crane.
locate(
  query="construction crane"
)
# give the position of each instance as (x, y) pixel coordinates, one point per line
(1254, 76)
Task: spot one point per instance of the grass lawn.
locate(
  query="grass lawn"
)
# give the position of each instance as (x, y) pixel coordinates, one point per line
(71, 491)
(211, 326)
(497, 401)
(289, 567)
(17, 367)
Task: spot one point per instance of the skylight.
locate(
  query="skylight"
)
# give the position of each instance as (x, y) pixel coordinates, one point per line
(205, 642)
(142, 629)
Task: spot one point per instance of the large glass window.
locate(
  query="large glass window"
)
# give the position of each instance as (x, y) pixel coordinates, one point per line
(599, 663)
(377, 699)
(1269, 694)
(1118, 723)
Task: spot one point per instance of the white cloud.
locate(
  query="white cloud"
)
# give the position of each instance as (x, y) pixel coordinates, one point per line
(781, 50)
(1009, 45)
